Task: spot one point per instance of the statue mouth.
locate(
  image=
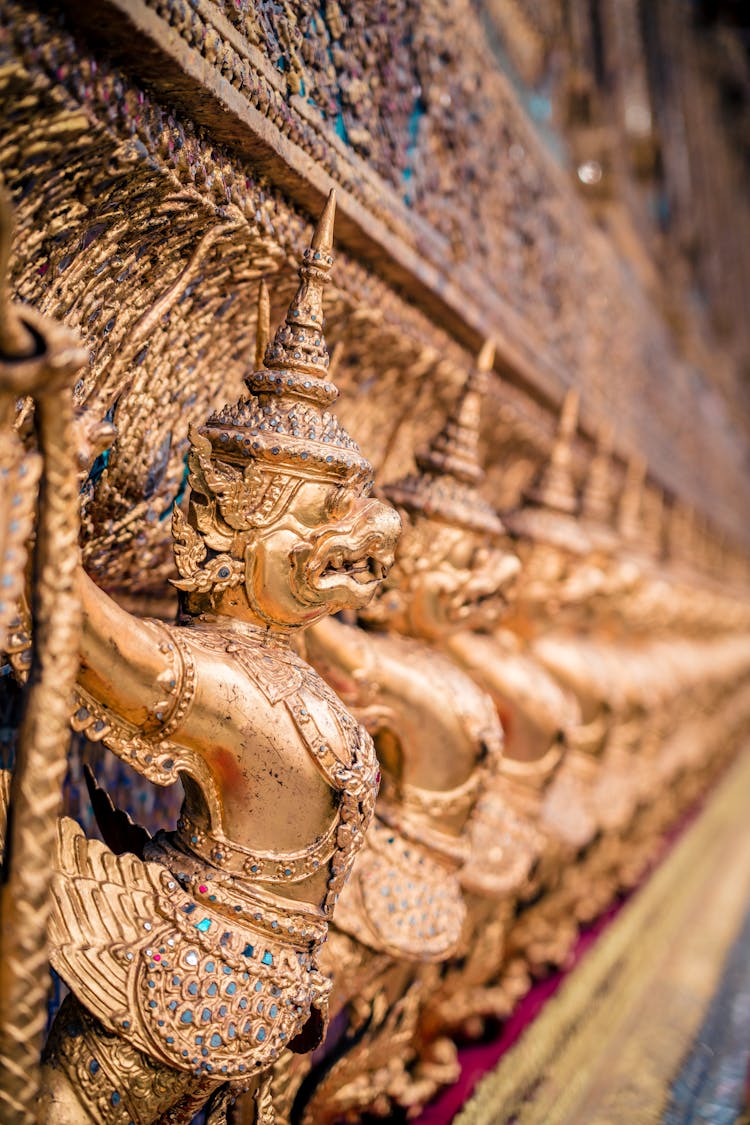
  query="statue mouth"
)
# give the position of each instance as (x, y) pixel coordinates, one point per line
(358, 568)
(491, 589)
(346, 563)
(464, 607)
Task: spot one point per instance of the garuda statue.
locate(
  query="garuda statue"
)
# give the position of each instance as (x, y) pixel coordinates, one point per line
(558, 576)
(438, 736)
(439, 742)
(561, 575)
(535, 788)
(192, 956)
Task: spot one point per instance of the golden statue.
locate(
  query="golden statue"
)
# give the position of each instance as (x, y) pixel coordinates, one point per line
(547, 767)
(592, 661)
(561, 582)
(541, 786)
(439, 741)
(196, 958)
(192, 956)
(580, 661)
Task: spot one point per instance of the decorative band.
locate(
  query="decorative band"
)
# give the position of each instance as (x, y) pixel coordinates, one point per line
(260, 866)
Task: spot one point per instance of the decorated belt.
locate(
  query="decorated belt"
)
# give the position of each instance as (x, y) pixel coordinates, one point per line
(268, 867)
(400, 901)
(224, 893)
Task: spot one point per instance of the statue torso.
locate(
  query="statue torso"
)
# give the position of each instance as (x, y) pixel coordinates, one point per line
(270, 773)
(441, 723)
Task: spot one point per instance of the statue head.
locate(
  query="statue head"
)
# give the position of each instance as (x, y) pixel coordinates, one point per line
(281, 528)
(453, 569)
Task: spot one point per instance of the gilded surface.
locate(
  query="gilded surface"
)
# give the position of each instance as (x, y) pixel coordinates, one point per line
(653, 974)
(199, 948)
(439, 740)
(412, 767)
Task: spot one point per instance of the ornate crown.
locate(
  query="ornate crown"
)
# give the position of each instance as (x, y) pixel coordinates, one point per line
(283, 426)
(445, 486)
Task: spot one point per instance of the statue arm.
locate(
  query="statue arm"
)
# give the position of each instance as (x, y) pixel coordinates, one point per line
(123, 662)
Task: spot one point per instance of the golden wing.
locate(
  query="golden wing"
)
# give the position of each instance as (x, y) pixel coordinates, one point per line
(175, 977)
(107, 910)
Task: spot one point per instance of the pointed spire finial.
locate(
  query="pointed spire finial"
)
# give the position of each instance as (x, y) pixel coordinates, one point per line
(631, 500)
(676, 531)
(322, 239)
(263, 326)
(555, 487)
(450, 469)
(486, 357)
(284, 423)
(569, 414)
(296, 361)
(653, 519)
(597, 493)
(455, 449)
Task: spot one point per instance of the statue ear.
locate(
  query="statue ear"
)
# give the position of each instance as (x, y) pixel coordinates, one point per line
(209, 523)
(197, 573)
